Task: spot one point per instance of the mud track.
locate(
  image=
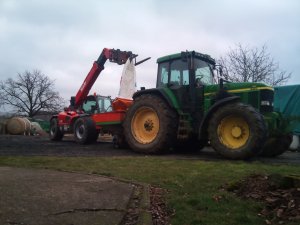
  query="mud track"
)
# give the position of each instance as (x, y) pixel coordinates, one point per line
(41, 146)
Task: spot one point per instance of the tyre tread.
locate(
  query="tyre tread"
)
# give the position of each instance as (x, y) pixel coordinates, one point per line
(169, 125)
(259, 131)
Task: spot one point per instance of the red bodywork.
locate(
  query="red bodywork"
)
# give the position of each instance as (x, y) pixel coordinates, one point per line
(67, 118)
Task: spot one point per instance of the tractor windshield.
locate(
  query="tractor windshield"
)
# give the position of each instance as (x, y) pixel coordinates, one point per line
(176, 73)
(203, 72)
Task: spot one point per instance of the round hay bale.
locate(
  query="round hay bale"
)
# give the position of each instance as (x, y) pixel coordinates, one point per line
(18, 126)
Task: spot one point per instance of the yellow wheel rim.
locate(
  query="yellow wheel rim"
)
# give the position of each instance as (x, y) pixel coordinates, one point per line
(145, 125)
(233, 132)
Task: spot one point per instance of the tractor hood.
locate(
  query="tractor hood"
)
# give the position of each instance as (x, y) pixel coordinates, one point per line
(237, 87)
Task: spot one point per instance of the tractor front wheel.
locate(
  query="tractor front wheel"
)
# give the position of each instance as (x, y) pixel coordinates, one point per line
(55, 133)
(237, 131)
(85, 130)
(150, 125)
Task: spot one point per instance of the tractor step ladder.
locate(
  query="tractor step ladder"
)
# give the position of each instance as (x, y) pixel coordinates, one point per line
(184, 127)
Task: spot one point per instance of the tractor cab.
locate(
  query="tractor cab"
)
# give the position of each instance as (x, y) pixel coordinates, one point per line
(97, 104)
(185, 74)
(185, 69)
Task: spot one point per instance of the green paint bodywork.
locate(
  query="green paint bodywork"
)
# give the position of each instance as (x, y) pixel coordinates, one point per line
(210, 89)
(248, 93)
(240, 89)
(172, 98)
(244, 91)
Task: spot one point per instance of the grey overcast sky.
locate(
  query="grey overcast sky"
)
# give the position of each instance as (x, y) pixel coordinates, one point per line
(62, 38)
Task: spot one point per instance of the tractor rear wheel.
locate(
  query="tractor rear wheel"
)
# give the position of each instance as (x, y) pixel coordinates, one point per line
(55, 133)
(85, 130)
(150, 125)
(275, 146)
(237, 131)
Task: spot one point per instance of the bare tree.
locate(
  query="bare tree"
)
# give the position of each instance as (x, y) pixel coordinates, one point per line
(30, 93)
(244, 64)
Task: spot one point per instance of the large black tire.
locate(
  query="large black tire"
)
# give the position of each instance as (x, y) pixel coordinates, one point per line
(275, 146)
(237, 131)
(85, 130)
(150, 125)
(55, 133)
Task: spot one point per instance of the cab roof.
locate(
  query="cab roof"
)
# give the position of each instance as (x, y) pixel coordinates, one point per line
(204, 57)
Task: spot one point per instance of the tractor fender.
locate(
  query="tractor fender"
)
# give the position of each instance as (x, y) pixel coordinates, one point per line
(158, 92)
(204, 124)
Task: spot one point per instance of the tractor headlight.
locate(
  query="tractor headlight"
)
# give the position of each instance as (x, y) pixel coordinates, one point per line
(266, 100)
(265, 103)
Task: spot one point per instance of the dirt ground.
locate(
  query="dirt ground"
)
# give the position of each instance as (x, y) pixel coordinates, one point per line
(11, 145)
(42, 146)
(280, 195)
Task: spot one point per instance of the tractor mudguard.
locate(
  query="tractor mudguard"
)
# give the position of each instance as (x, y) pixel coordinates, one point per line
(164, 93)
(203, 126)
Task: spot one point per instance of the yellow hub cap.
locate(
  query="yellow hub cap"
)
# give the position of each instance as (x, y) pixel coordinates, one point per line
(233, 132)
(145, 125)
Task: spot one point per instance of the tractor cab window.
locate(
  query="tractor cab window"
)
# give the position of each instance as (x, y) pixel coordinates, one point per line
(179, 73)
(163, 74)
(175, 73)
(104, 104)
(203, 72)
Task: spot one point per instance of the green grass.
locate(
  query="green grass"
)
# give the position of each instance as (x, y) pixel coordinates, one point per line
(193, 185)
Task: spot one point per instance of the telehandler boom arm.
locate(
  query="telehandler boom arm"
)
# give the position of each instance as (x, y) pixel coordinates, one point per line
(115, 56)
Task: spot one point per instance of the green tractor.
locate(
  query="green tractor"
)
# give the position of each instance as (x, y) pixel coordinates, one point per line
(188, 110)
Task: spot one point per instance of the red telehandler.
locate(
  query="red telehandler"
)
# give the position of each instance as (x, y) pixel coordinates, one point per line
(88, 115)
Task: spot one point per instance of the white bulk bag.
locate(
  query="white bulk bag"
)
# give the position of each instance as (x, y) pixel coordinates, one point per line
(128, 81)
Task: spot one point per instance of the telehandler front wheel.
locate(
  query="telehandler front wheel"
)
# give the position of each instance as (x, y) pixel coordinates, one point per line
(85, 130)
(55, 133)
(237, 131)
(150, 125)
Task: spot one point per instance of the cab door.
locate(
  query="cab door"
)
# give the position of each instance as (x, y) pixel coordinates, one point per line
(174, 75)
